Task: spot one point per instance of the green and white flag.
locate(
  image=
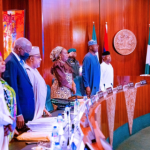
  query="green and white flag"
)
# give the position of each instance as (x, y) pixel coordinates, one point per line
(94, 38)
(147, 66)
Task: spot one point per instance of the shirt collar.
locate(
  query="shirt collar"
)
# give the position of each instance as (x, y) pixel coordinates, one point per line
(18, 58)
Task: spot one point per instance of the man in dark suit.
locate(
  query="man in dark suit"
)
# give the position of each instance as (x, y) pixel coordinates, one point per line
(17, 78)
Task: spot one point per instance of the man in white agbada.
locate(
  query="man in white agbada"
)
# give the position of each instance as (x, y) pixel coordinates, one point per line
(4, 120)
(107, 72)
(37, 81)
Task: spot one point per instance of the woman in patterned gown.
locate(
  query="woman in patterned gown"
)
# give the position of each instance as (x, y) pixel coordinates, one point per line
(7, 110)
(63, 84)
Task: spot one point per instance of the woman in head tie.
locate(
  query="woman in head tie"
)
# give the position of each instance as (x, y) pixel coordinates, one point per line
(63, 84)
(7, 110)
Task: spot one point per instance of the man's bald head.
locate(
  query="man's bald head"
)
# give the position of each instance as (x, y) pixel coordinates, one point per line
(22, 45)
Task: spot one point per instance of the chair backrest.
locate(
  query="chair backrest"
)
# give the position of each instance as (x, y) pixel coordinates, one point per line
(48, 103)
(79, 85)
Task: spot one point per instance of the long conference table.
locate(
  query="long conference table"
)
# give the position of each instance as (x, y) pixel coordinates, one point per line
(116, 121)
(121, 114)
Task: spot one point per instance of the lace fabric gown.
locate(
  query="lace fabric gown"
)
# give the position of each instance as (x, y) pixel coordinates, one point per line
(61, 92)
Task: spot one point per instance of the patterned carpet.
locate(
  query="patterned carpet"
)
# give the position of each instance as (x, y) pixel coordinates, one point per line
(138, 141)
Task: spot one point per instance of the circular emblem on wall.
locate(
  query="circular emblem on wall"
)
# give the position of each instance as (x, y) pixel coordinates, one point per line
(125, 42)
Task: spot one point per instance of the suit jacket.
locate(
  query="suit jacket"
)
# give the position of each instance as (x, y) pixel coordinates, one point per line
(19, 81)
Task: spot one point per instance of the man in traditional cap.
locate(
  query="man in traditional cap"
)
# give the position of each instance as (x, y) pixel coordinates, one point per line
(73, 62)
(107, 72)
(39, 86)
(16, 76)
(91, 69)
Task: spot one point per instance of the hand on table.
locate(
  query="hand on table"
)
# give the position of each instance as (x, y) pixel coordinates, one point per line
(47, 113)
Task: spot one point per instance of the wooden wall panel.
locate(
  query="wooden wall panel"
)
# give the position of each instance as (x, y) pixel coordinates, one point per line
(35, 25)
(56, 24)
(137, 22)
(33, 19)
(126, 14)
(83, 14)
(69, 27)
(112, 12)
(69, 24)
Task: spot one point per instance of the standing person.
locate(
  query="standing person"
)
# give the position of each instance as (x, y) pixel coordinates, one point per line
(91, 70)
(7, 111)
(63, 84)
(107, 72)
(73, 62)
(16, 76)
(39, 86)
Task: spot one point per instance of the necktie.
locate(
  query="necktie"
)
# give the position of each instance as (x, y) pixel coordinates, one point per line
(22, 64)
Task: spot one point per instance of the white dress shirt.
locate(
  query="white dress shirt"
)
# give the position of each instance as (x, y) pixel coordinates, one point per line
(107, 76)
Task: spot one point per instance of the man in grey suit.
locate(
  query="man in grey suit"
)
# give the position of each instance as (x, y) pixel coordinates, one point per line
(17, 78)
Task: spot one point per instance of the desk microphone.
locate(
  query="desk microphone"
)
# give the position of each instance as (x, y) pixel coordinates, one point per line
(104, 86)
(72, 128)
(111, 84)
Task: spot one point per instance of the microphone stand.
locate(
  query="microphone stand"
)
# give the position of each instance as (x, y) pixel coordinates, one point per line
(68, 126)
(112, 85)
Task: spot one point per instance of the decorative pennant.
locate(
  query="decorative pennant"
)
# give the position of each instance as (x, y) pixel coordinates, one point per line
(130, 97)
(98, 116)
(111, 106)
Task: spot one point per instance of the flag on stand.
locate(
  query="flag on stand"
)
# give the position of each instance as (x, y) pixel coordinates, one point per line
(147, 66)
(105, 39)
(94, 38)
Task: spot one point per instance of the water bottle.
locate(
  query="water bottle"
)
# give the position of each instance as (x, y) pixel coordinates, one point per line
(60, 124)
(76, 107)
(55, 137)
(85, 98)
(57, 146)
(59, 118)
(67, 114)
(67, 120)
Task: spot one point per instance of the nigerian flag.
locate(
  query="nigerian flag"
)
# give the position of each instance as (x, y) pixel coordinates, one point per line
(147, 66)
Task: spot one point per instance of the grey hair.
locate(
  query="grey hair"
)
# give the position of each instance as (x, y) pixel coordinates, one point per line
(22, 43)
